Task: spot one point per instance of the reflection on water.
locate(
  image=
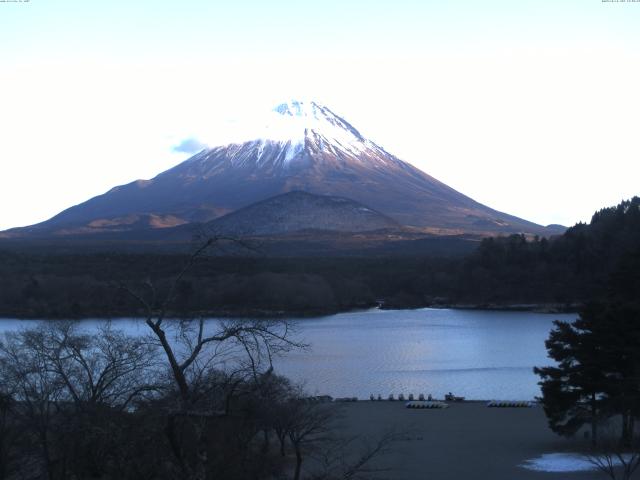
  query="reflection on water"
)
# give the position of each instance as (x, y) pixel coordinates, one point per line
(476, 354)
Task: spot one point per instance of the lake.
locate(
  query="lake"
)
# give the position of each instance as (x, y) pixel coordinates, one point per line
(476, 354)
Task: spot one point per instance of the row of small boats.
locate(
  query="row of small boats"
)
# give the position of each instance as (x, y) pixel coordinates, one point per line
(401, 397)
(430, 402)
(492, 403)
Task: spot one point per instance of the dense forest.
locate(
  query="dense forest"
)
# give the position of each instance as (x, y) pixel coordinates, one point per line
(587, 262)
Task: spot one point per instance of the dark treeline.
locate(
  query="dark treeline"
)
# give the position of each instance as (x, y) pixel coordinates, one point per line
(595, 380)
(587, 262)
(74, 286)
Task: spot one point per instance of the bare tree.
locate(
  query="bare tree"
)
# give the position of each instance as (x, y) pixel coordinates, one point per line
(107, 368)
(312, 429)
(615, 458)
(193, 349)
(309, 424)
(38, 392)
(69, 387)
(9, 434)
(353, 457)
(192, 345)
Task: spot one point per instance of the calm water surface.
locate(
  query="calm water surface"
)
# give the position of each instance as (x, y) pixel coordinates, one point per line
(476, 354)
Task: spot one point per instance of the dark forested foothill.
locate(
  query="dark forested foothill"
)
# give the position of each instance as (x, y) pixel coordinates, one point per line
(587, 262)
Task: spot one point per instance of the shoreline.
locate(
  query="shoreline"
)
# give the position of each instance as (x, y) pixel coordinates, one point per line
(498, 307)
(544, 308)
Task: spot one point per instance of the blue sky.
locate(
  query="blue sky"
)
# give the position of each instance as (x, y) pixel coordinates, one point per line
(528, 106)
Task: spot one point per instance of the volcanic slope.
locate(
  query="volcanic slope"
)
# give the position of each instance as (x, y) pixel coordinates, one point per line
(301, 146)
(301, 211)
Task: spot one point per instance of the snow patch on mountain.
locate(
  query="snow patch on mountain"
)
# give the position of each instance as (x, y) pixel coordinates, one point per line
(290, 126)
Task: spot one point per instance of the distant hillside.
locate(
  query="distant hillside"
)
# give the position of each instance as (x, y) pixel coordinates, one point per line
(292, 224)
(586, 262)
(297, 211)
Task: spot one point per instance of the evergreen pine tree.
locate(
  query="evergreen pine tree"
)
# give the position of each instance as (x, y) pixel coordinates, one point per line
(598, 370)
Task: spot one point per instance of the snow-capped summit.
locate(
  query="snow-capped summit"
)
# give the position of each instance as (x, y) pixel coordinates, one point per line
(299, 108)
(292, 133)
(289, 129)
(298, 146)
(314, 116)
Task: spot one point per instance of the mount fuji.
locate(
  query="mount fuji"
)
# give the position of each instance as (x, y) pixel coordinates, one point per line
(302, 147)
